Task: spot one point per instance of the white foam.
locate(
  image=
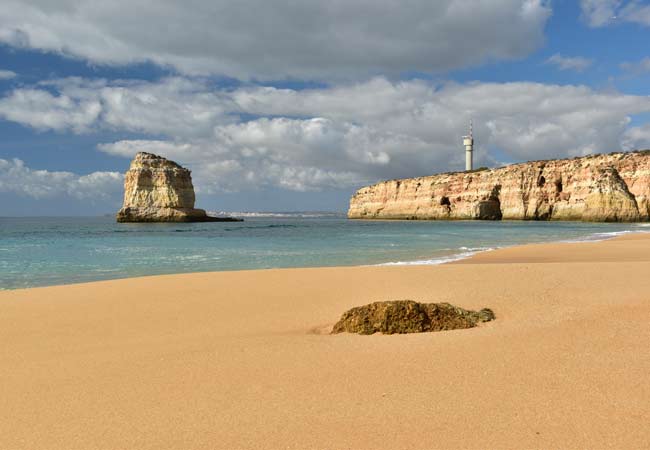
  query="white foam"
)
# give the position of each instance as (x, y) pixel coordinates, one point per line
(191, 257)
(476, 249)
(440, 260)
(468, 252)
(597, 237)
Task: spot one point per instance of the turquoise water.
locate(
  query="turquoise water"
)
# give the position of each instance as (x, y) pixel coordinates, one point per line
(49, 251)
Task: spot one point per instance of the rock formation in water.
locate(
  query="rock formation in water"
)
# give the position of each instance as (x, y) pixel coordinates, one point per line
(407, 316)
(159, 190)
(601, 188)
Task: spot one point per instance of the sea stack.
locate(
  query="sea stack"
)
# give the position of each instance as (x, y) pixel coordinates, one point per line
(599, 188)
(159, 190)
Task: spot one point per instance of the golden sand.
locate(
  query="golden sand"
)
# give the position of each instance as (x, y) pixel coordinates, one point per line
(242, 360)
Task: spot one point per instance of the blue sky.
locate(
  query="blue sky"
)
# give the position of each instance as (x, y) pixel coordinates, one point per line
(295, 107)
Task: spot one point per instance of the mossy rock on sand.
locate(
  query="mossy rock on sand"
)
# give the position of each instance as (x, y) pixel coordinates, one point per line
(407, 316)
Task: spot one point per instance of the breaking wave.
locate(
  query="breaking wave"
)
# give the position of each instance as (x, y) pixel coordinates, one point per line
(466, 253)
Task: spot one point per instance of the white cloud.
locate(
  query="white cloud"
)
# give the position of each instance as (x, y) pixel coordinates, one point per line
(339, 136)
(577, 63)
(17, 178)
(128, 149)
(598, 13)
(174, 105)
(294, 154)
(260, 39)
(43, 111)
(7, 74)
(637, 12)
(536, 121)
(637, 68)
(637, 138)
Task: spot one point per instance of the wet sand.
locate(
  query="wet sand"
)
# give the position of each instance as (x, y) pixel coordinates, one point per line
(235, 360)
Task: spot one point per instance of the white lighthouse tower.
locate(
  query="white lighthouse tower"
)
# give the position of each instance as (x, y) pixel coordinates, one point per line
(468, 142)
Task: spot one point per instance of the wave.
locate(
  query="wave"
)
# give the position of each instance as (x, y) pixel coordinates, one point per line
(596, 237)
(468, 252)
(476, 249)
(441, 259)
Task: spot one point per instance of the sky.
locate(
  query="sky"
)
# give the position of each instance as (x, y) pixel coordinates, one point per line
(292, 106)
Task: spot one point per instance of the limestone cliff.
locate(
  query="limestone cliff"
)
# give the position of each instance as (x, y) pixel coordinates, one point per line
(159, 190)
(604, 188)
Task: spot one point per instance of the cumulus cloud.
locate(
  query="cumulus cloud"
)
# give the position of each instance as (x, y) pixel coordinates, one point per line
(294, 154)
(17, 178)
(598, 13)
(310, 39)
(637, 138)
(7, 74)
(577, 63)
(176, 104)
(537, 120)
(332, 137)
(129, 148)
(44, 111)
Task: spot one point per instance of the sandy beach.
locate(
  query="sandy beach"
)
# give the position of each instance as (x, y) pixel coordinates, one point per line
(234, 360)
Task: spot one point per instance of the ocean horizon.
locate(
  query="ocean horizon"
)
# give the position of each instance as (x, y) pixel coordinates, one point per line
(45, 251)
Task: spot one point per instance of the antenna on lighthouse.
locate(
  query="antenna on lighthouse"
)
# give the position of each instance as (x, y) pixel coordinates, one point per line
(468, 142)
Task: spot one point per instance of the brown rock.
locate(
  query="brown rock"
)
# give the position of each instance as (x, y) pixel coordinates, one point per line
(602, 188)
(407, 316)
(159, 190)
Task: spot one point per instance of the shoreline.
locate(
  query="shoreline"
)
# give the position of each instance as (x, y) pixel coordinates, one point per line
(242, 360)
(463, 254)
(471, 252)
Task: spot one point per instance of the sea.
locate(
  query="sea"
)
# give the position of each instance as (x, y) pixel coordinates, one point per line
(44, 251)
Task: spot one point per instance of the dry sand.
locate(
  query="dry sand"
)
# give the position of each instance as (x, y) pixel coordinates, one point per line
(239, 360)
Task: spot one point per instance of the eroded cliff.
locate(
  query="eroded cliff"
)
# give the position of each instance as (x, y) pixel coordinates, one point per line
(604, 188)
(159, 190)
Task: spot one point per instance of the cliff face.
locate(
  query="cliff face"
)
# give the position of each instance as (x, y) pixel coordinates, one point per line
(158, 190)
(602, 188)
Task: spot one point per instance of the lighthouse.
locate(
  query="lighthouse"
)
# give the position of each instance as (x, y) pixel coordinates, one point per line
(468, 142)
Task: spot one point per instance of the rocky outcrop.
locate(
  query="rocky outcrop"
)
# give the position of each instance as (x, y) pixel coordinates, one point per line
(602, 188)
(159, 190)
(407, 316)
